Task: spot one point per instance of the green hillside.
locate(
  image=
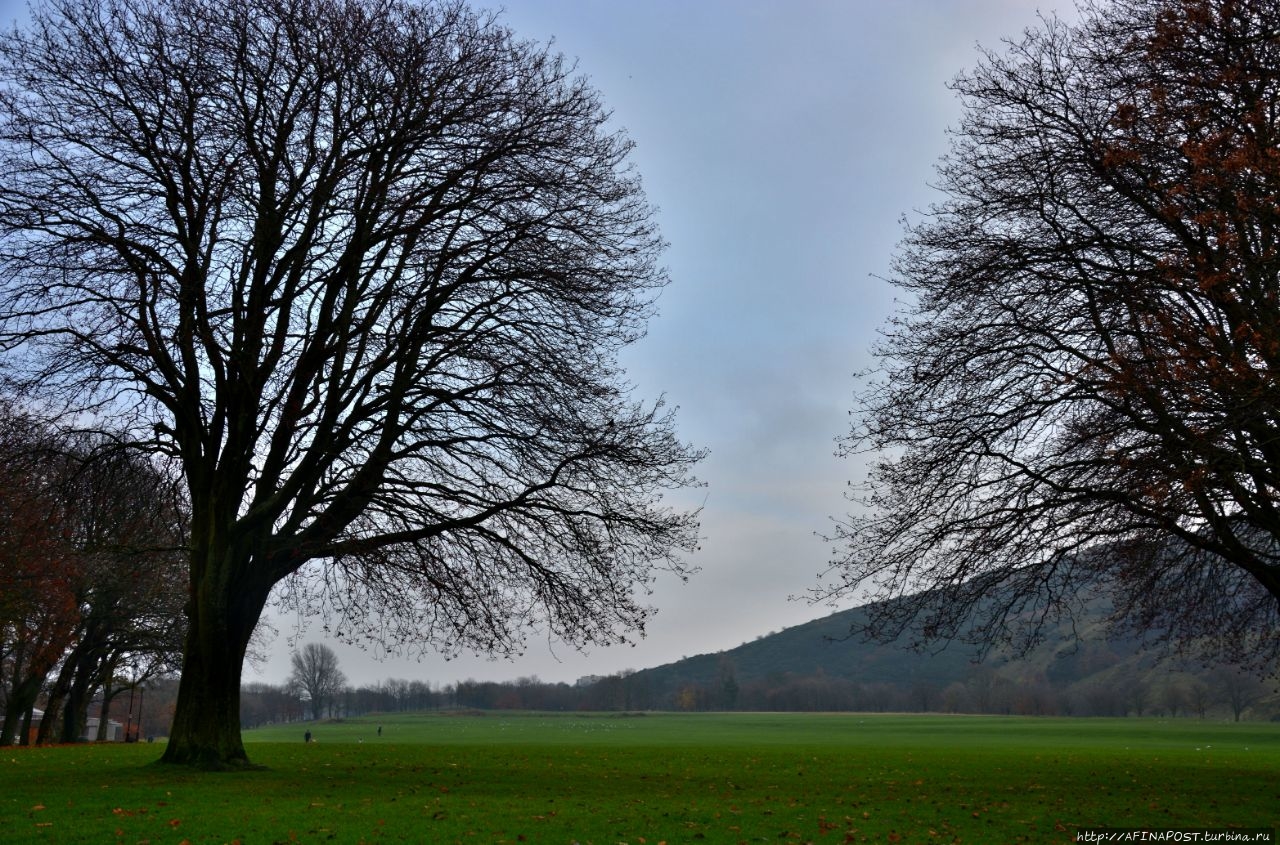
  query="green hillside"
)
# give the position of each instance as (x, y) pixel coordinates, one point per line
(1082, 668)
(824, 645)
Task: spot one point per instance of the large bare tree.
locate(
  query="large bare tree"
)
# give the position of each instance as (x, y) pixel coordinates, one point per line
(1084, 396)
(363, 269)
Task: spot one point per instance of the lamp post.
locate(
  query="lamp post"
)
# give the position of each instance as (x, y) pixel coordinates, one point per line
(128, 720)
(142, 690)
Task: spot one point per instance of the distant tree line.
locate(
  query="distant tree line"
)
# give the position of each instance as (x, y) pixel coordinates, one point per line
(263, 703)
(1219, 694)
(1222, 693)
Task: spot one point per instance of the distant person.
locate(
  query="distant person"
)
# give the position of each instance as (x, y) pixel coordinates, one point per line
(379, 730)
(307, 736)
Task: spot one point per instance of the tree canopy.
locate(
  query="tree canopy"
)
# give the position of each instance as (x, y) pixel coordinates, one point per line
(1082, 396)
(362, 269)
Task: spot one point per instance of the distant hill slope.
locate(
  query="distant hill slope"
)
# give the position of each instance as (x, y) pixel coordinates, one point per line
(823, 645)
(1085, 669)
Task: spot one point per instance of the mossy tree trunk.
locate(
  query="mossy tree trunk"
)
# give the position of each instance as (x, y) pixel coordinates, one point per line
(226, 601)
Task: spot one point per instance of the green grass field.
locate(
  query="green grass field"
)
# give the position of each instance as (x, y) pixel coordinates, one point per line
(606, 779)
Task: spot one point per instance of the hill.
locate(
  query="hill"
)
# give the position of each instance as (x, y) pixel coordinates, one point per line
(1082, 668)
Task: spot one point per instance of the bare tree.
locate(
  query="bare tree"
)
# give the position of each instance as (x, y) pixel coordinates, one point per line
(1084, 396)
(1199, 697)
(1238, 689)
(1174, 697)
(362, 268)
(316, 672)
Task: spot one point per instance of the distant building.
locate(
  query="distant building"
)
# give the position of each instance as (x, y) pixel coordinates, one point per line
(115, 730)
(588, 680)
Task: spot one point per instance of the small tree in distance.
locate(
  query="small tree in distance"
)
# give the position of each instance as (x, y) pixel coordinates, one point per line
(316, 673)
(362, 269)
(1085, 397)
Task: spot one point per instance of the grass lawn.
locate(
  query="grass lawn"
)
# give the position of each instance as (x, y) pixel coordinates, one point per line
(722, 778)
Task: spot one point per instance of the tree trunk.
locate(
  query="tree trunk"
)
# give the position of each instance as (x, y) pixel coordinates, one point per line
(104, 717)
(9, 727)
(76, 710)
(206, 721)
(28, 716)
(51, 721)
(223, 610)
(22, 698)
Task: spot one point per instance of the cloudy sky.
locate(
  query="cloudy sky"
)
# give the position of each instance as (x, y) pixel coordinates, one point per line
(782, 141)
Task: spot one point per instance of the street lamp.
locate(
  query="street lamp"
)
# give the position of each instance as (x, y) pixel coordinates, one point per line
(142, 689)
(128, 720)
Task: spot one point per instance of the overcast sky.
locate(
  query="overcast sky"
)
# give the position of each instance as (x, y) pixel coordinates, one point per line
(782, 143)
